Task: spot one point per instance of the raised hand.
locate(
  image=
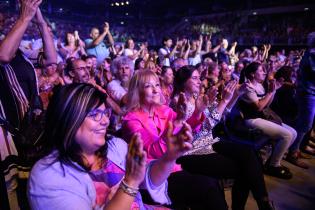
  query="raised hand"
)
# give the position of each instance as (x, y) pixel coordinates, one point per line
(179, 143)
(242, 89)
(201, 103)
(212, 94)
(228, 91)
(106, 27)
(181, 107)
(136, 161)
(272, 86)
(234, 44)
(29, 8)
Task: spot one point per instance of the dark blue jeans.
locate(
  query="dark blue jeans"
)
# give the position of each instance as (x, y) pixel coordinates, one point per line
(306, 114)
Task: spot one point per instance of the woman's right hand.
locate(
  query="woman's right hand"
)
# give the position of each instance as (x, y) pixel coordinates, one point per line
(136, 162)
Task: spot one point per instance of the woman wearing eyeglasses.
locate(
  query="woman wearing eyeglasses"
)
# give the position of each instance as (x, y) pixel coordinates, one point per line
(84, 170)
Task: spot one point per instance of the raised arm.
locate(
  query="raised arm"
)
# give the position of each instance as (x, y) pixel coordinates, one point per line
(100, 38)
(48, 42)
(10, 44)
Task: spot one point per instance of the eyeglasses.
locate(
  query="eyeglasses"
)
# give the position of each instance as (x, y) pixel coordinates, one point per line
(97, 114)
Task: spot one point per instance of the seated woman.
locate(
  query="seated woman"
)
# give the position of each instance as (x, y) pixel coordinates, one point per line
(166, 80)
(148, 116)
(85, 170)
(213, 157)
(254, 105)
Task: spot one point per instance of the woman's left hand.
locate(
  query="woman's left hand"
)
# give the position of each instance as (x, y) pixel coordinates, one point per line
(181, 107)
(228, 91)
(136, 162)
(179, 143)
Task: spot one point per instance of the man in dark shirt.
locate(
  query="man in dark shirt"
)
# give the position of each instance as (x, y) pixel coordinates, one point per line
(305, 100)
(18, 93)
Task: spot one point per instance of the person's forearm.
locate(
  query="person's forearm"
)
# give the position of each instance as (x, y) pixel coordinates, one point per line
(48, 44)
(116, 108)
(265, 101)
(82, 51)
(110, 38)
(173, 52)
(120, 200)
(160, 170)
(232, 51)
(216, 49)
(199, 48)
(187, 53)
(208, 48)
(221, 107)
(99, 39)
(11, 42)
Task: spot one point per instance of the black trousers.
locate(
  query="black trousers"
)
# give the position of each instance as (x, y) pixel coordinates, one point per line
(231, 161)
(195, 191)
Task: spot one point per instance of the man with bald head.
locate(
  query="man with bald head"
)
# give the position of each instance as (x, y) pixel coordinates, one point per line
(95, 44)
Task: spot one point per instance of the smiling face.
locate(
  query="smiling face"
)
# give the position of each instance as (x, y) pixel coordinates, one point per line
(80, 72)
(192, 85)
(260, 74)
(131, 44)
(168, 77)
(95, 33)
(70, 38)
(151, 92)
(91, 134)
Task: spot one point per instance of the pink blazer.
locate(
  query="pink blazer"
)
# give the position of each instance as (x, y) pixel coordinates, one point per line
(153, 129)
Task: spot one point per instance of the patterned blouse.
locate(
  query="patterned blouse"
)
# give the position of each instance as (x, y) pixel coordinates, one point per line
(203, 139)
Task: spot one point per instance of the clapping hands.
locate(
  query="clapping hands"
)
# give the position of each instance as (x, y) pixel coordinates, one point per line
(29, 8)
(136, 161)
(228, 91)
(181, 107)
(179, 143)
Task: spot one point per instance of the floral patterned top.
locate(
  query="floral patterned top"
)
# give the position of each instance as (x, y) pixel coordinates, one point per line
(203, 138)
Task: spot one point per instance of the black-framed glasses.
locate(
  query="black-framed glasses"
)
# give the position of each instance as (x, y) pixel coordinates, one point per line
(97, 114)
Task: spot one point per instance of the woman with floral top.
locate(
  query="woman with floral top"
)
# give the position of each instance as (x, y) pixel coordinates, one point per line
(214, 157)
(148, 116)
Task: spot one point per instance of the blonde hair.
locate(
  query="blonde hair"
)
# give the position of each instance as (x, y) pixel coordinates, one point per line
(136, 86)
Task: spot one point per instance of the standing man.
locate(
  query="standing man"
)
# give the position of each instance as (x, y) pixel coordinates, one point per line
(96, 46)
(19, 93)
(305, 100)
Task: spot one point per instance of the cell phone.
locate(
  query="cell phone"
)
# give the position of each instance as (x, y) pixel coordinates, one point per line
(76, 34)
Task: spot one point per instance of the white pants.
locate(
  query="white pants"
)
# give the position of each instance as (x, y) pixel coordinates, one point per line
(283, 135)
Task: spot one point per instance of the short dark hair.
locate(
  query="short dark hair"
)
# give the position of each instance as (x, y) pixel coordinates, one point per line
(165, 39)
(250, 69)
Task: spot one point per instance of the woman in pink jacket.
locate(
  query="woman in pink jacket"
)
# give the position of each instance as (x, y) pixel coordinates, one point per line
(147, 116)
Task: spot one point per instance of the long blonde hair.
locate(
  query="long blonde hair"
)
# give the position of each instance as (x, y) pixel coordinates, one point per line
(136, 86)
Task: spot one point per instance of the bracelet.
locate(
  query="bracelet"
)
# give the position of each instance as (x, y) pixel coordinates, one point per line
(128, 190)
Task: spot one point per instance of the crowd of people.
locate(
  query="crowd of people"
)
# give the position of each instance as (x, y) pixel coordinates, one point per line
(129, 127)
